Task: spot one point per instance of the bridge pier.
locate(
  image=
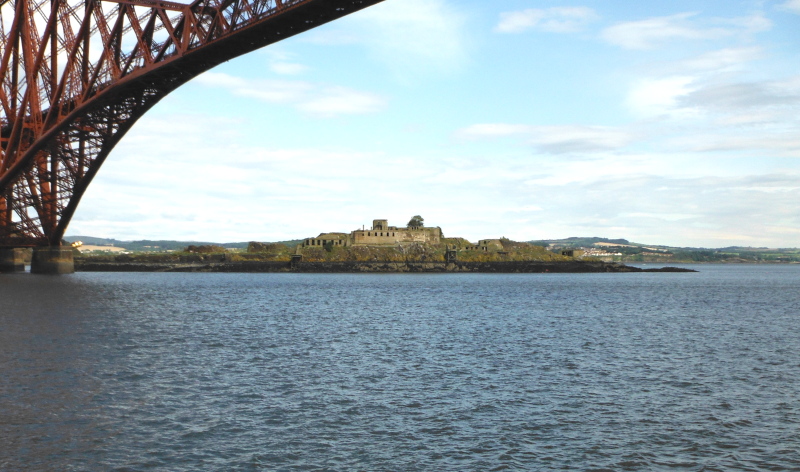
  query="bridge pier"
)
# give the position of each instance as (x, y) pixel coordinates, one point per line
(12, 260)
(52, 260)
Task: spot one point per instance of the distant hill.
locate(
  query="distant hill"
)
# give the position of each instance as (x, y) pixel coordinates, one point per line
(581, 242)
(637, 252)
(148, 245)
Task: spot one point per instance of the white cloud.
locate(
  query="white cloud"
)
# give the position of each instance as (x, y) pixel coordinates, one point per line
(580, 139)
(704, 118)
(704, 210)
(287, 68)
(282, 62)
(651, 32)
(492, 130)
(562, 139)
(554, 20)
(693, 114)
(528, 208)
(754, 23)
(719, 102)
(650, 98)
(226, 192)
(766, 142)
(791, 5)
(218, 79)
(723, 60)
(319, 100)
(718, 99)
(411, 37)
(273, 91)
(341, 100)
(734, 97)
(661, 216)
(332, 36)
(231, 192)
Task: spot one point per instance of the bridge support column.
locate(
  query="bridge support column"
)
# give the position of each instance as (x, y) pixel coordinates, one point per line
(52, 260)
(12, 260)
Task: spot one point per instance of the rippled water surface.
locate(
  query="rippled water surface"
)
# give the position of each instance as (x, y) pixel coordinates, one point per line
(652, 371)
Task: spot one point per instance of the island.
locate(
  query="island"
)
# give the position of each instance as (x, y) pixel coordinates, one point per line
(380, 248)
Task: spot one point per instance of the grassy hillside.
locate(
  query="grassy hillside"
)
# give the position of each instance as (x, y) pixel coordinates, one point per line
(639, 252)
(148, 245)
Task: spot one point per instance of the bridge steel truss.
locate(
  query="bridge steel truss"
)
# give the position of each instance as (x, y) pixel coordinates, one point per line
(75, 76)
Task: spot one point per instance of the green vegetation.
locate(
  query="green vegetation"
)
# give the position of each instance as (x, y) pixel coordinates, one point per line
(416, 221)
(206, 249)
(458, 243)
(512, 251)
(268, 248)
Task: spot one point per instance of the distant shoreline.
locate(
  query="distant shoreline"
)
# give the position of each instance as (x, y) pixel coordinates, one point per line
(365, 267)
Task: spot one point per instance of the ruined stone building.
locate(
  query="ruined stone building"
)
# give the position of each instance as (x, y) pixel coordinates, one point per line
(487, 245)
(381, 234)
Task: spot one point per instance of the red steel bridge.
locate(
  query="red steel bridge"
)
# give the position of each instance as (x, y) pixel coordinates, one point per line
(75, 76)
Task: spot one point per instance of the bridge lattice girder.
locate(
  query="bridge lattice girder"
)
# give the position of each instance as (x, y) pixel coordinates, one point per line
(75, 76)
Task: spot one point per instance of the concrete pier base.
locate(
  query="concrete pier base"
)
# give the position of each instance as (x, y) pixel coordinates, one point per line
(12, 260)
(52, 260)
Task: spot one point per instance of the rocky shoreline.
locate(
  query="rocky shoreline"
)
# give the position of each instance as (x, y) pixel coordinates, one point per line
(357, 267)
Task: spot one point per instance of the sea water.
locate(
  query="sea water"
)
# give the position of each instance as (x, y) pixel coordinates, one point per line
(406, 372)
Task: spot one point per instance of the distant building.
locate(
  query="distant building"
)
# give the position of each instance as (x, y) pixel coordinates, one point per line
(487, 245)
(333, 239)
(572, 252)
(381, 234)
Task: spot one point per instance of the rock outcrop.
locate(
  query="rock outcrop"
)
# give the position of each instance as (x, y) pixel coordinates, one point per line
(355, 267)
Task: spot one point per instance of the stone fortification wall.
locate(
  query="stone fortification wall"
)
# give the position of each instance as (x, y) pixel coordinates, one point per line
(487, 245)
(392, 236)
(334, 239)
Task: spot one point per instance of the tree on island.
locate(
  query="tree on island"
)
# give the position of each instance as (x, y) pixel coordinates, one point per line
(416, 221)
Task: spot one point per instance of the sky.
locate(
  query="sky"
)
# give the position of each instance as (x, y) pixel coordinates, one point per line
(673, 123)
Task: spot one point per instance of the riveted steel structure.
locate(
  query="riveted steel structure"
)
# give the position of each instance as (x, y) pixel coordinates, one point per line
(75, 75)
